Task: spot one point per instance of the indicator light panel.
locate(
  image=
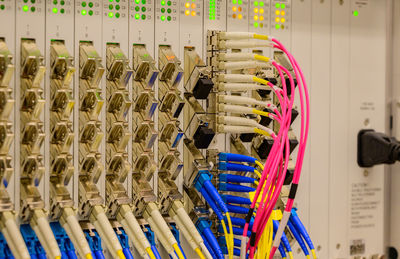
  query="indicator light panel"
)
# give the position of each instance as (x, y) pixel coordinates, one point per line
(88, 8)
(280, 15)
(28, 6)
(115, 9)
(141, 10)
(166, 10)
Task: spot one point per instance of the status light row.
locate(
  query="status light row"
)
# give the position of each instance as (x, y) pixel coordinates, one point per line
(261, 10)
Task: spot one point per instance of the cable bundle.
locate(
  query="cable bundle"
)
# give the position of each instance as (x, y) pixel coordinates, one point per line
(276, 165)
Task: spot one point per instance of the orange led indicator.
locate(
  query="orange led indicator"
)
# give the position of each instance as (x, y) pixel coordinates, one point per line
(193, 5)
(255, 17)
(261, 10)
(193, 13)
(187, 12)
(233, 16)
(187, 5)
(239, 9)
(261, 18)
(277, 12)
(234, 8)
(240, 16)
(283, 20)
(283, 13)
(277, 19)
(256, 10)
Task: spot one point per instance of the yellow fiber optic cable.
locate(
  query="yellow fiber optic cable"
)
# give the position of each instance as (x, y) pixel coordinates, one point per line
(119, 253)
(260, 37)
(313, 254)
(261, 58)
(262, 113)
(178, 251)
(230, 234)
(257, 173)
(199, 253)
(262, 132)
(88, 256)
(260, 164)
(290, 255)
(150, 253)
(308, 256)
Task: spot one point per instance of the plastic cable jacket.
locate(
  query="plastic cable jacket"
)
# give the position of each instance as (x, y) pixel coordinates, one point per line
(241, 222)
(160, 236)
(127, 253)
(108, 233)
(235, 35)
(233, 178)
(234, 44)
(237, 109)
(184, 230)
(236, 231)
(282, 251)
(238, 167)
(209, 248)
(99, 255)
(12, 246)
(235, 65)
(133, 226)
(206, 251)
(243, 247)
(301, 229)
(235, 56)
(241, 87)
(298, 238)
(236, 199)
(189, 224)
(180, 247)
(211, 203)
(235, 129)
(237, 209)
(235, 78)
(155, 252)
(236, 99)
(159, 220)
(72, 238)
(230, 157)
(284, 239)
(44, 231)
(42, 256)
(213, 242)
(16, 237)
(138, 245)
(72, 255)
(77, 233)
(281, 228)
(215, 195)
(241, 121)
(235, 188)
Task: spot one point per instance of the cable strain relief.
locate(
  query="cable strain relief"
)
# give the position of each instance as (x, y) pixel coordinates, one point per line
(253, 239)
(249, 215)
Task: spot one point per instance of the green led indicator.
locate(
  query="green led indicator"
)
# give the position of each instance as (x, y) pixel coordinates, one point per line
(83, 4)
(169, 18)
(168, 10)
(143, 1)
(137, 1)
(169, 3)
(163, 18)
(117, 1)
(33, 9)
(90, 12)
(256, 25)
(117, 7)
(137, 16)
(33, 1)
(283, 6)
(83, 12)
(117, 15)
(110, 14)
(25, 1)
(62, 10)
(277, 26)
(55, 10)
(256, 3)
(2, 7)
(25, 8)
(162, 2)
(355, 13)
(261, 3)
(143, 17)
(90, 4)
(137, 8)
(62, 2)
(110, 7)
(55, 2)
(234, 1)
(278, 5)
(240, 2)
(143, 9)
(163, 10)
(110, 1)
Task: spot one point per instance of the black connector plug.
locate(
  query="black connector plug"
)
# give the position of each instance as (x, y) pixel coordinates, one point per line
(374, 148)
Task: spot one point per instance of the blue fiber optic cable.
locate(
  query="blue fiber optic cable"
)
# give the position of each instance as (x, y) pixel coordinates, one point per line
(228, 187)
(233, 178)
(230, 157)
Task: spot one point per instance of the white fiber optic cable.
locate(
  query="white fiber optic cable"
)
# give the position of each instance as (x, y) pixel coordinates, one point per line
(241, 87)
(134, 231)
(242, 36)
(235, 78)
(235, 129)
(235, 99)
(236, 44)
(241, 121)
(99, 219)
(241, 56)
(71, 225)
(239, 109)
(188, 223)
(235, 65)
(44, 233)
(161, 237)
(13, 236)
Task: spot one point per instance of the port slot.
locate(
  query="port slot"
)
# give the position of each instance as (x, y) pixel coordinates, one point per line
(90, 64)
(144, 66)
(145, 135)
(169, 65)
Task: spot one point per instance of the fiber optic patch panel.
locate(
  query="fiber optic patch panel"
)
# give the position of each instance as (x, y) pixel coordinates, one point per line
(141, 128)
